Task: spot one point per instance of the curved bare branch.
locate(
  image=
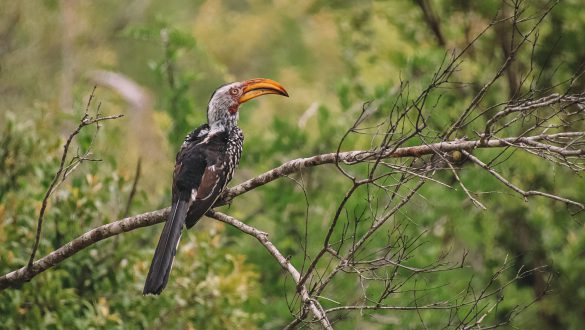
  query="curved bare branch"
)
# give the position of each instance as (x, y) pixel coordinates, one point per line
(262, 237)
(351, 157)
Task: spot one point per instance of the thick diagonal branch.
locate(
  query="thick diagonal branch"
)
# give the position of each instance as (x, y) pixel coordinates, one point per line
(262, 237)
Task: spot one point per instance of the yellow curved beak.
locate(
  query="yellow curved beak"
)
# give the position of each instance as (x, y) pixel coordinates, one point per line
(261, 86)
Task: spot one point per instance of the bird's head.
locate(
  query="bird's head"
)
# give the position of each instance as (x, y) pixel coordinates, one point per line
(222, 110)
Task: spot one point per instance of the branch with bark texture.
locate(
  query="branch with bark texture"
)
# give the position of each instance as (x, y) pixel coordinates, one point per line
(262, 237)
(351, 157)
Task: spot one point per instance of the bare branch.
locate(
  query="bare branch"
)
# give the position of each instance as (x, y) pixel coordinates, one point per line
(528, 105)
(262, 237)
(524, 193)
(351, 157)
(91, 237)
(460, 122)
(133, 189)
(432, 21)
(63, 171)
(467, 192)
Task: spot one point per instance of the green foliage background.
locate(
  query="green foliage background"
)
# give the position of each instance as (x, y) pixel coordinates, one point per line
(332, 56)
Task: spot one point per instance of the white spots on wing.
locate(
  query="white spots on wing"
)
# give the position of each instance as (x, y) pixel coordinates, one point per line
(191, 136)
(213, 178)
(203, 132)
(215, 129)
(206, 140)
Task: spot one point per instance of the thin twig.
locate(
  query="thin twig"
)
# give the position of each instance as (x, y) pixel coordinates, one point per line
(134, 185)
(85, 121)
(524, 193)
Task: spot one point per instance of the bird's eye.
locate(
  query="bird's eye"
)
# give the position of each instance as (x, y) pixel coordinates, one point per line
(234, 91)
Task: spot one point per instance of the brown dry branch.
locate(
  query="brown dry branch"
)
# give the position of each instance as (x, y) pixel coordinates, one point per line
(353, 157)
(527, 106)
(262, 237)
(150, 218)
(524, 193)
(91, 237)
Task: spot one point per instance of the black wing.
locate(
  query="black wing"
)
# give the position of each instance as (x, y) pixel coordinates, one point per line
(196, 174)
(213, 180)
(212, 184)
(190, 163)
(200, 168)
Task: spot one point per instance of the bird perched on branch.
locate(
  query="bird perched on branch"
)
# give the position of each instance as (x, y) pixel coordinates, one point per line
(204, 166)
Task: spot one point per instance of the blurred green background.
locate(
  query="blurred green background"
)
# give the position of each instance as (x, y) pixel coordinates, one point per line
(157, 62)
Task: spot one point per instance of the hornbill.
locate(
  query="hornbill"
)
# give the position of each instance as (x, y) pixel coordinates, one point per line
(204, 165)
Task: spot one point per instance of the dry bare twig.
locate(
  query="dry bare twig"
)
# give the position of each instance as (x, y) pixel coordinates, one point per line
(63, 170)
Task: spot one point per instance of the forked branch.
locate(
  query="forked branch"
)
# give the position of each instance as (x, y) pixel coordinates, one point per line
(352, 157)
(64, 170)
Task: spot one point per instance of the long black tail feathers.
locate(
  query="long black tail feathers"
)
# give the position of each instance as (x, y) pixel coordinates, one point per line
(166, 249)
